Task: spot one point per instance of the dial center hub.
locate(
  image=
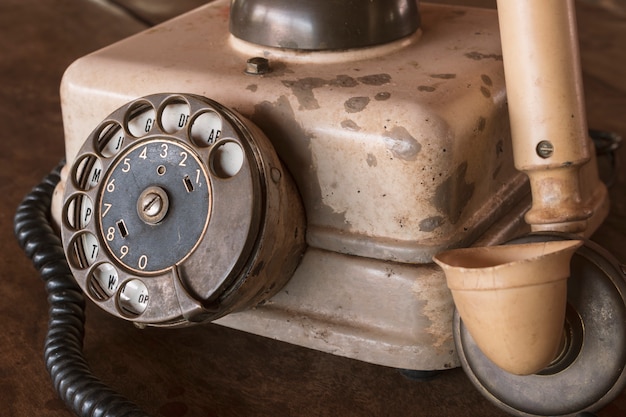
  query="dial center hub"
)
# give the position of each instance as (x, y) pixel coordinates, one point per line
(152, 205)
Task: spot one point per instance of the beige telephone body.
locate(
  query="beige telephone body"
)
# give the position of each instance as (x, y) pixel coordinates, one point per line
(298, 194)
(398, 151)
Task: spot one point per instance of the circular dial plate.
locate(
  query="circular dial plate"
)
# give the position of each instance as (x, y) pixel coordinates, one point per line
(163, 208)
(157, 191)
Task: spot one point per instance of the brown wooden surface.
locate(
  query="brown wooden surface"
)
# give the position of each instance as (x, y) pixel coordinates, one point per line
(209, 370)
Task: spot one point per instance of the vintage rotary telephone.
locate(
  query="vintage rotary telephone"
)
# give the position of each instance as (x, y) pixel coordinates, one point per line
(309, 159)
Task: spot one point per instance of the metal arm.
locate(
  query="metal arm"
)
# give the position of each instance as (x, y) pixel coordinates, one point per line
(548, 123)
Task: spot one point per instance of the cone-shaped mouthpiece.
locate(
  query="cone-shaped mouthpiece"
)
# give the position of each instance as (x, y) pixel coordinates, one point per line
(512, 299)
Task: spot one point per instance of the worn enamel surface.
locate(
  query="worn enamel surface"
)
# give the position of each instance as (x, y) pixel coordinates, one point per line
(398, 151)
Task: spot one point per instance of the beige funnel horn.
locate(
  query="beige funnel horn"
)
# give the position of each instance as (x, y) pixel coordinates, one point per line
(512, 299)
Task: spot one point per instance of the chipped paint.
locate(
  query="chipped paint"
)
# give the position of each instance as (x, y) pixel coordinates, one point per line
(382, 96)
(444, 76)
(499, 148)
(477, 56)
(484, 89)
(375, 79)
(402, 144)
(431, 223)
(437, 308)
(356, 104)
(277, 119)
(454, 193)
(350, 125)
(343, 81)
(480, 125)
(303, 88)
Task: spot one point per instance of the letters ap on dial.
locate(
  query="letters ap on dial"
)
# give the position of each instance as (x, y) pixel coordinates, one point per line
(169, 217)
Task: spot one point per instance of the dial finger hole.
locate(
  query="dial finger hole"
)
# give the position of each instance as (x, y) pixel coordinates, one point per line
(110, 139)
(84, 250)
(227, 159)
(133, 298)
(140, 119)
(103, 282)
(78, 211)
(206, 128)
(87, 172)
(174, 115)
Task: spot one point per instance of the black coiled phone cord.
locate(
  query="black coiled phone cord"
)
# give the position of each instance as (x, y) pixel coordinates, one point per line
(81, 391)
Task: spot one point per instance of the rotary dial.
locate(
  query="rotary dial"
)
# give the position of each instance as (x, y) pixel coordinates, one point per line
(169, 216)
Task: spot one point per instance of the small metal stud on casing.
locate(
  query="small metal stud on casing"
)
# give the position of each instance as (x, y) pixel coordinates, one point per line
(257, 66)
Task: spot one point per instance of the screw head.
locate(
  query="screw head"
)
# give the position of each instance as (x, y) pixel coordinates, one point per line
(257, 66)
(545, 149)
(152, 205)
